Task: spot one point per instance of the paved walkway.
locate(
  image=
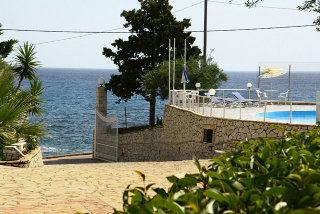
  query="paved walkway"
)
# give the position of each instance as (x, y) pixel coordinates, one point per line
(85, 187)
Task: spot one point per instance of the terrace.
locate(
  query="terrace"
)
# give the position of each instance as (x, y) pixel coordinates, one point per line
(221, 103)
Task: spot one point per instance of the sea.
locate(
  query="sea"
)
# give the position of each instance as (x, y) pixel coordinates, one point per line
(70, 102)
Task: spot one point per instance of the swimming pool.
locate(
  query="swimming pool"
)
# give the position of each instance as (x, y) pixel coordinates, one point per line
(297, 116)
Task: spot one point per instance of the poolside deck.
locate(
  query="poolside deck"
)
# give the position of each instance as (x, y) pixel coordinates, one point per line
(250, 112)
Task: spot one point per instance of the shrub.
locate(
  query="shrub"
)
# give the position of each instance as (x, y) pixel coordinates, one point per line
(264, 176)
(32, 143)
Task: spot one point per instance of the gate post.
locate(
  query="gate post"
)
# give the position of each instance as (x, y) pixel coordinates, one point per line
(101, 100)
(101, 107)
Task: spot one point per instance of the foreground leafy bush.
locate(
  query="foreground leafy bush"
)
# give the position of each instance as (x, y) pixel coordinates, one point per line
(264, 176)
(17, 104)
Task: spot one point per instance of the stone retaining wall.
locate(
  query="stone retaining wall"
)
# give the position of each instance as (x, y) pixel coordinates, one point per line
(182, 136)
(152, 145)
(11, 153)
(30, 160)
(191, 126)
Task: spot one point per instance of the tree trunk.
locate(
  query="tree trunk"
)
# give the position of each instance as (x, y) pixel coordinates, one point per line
(152, 112)
(20, 81)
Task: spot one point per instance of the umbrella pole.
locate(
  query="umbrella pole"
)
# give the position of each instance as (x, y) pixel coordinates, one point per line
(289, 82)
(271, 90)
(259, 78)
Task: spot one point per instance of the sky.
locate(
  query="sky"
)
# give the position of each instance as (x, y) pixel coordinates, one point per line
(239, 51)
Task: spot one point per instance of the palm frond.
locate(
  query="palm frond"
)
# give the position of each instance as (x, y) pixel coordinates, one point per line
(36, 90)
(26, 63)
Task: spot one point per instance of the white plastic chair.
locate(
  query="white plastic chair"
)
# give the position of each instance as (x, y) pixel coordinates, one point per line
(284, 95)
(261, 95)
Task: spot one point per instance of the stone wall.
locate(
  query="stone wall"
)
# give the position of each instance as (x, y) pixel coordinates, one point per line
(11, 153)
(182, 136)
(153, 145)
(30, 160)
(14, 151)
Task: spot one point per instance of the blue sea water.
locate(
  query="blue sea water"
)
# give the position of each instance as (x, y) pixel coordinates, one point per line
(70, 97)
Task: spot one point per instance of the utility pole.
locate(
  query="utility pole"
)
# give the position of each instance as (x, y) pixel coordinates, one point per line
(205, 31)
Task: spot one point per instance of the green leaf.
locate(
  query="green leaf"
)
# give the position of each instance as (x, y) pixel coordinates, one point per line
(140, 174)
(275, 191)
(228, 212)
(313, 177)
(137, 197)
(161, 192)
(300, 212)
(218, 161)
(172, 179)
(176, 208)
(187, 181)
(125, 198)
(305, 201)
(196, 162)
(225, 185)
(238, 185)
(214, 174)
(149, 185)
(265, 153)
(294, 177)
(215, 194)
(133, 209)
(233, 201)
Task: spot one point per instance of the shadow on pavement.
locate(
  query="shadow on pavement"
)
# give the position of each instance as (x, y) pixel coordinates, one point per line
(72, 160)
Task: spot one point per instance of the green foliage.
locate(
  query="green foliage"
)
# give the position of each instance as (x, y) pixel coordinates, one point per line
(208, 74)
(146, 48)
(32, 143)
(308, 5)
(36, 91)
(15, 107)
(6, 47)
(26, 63)
(264, 176)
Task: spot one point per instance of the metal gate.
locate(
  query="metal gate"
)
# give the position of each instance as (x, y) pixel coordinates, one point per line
(106, 138)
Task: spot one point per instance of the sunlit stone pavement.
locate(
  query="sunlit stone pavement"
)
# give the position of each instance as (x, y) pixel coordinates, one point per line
(88, 188)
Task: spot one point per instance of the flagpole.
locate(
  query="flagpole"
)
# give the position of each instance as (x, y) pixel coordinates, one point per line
(185, 61)
(174, 61)
(169, 72)
(174, 69)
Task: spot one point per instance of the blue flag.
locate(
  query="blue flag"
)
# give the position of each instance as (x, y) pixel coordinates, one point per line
(185, 77)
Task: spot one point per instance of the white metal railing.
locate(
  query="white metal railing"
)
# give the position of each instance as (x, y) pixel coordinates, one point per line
(245, 109)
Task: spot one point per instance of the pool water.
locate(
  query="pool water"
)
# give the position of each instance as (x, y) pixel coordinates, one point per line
(297, 116)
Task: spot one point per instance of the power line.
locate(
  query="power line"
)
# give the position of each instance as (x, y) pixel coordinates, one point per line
(188, 7)
(74, 37)
(89, 34)
(64, 31)
(252, 29)
(261, 6)
(125, 32)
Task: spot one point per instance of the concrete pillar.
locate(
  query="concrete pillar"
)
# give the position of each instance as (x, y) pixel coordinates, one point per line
(101, 107)
(101, 100)
(318, 106)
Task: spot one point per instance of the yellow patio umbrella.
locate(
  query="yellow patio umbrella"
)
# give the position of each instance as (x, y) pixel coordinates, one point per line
(272, 72)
